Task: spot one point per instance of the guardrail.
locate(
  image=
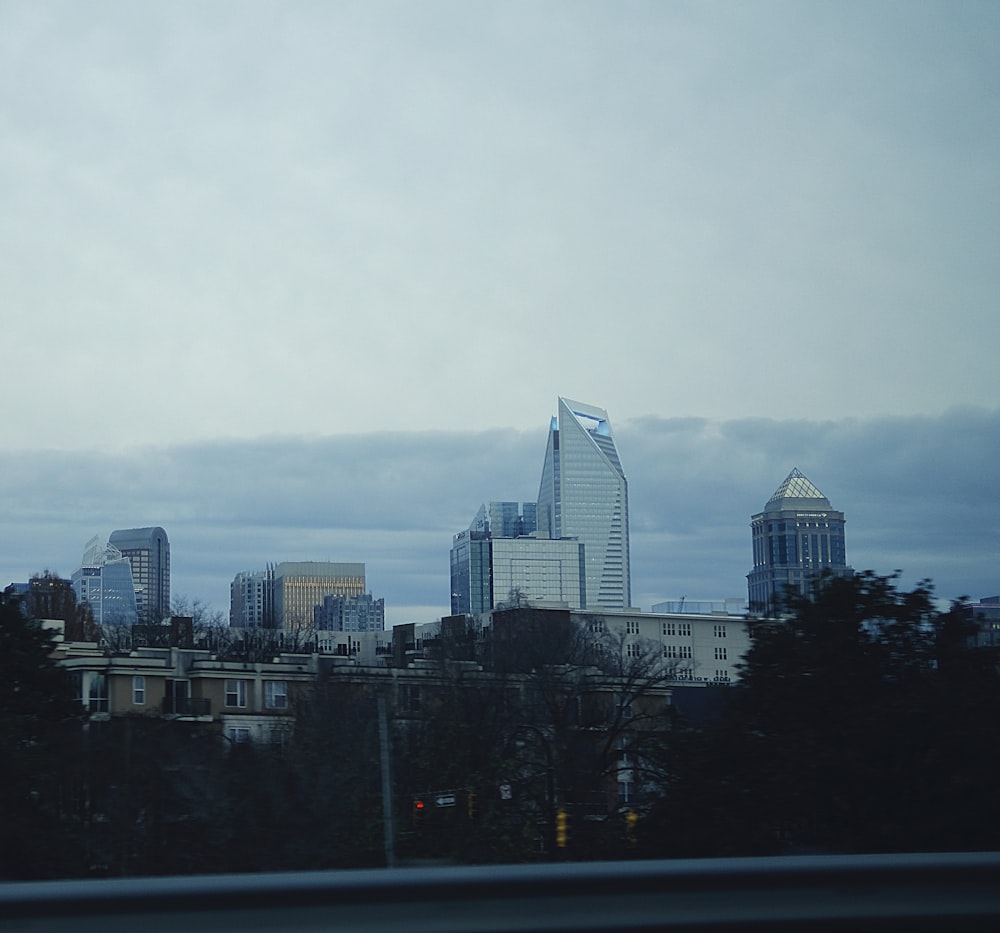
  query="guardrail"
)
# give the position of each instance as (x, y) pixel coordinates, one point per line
(956, 892)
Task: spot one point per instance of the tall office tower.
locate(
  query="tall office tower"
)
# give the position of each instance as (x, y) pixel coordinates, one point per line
(251, 599)
(488, 568)
(104, 581)
(299, 586)
(148, 551)
(797, 535)
(584, 494)
(350, 614)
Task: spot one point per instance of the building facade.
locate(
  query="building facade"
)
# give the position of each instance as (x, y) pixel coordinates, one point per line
(251, 599)
(797, 536)
(488, 571)
(104, 582)
(583, 494)
(285, 595)
(338, 613)
(148, 553)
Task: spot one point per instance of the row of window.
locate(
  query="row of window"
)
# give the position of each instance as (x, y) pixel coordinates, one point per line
(237, 692)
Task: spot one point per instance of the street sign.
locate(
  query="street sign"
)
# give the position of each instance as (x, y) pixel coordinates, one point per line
(445, 800)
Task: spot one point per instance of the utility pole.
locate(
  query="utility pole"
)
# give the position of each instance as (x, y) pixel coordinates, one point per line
(388, 827)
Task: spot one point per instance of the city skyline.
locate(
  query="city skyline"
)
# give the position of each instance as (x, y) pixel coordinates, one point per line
(919, 494)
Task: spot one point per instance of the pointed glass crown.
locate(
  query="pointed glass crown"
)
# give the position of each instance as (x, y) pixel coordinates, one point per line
(796, 487)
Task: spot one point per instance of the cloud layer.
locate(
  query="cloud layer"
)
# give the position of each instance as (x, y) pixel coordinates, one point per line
(921, 494)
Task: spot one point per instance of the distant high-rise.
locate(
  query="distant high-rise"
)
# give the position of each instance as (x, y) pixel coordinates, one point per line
(361, 613)
(498, 556)
(287, 593)
(104, 581)
(797, 535)
(148, 552)
(584, 494)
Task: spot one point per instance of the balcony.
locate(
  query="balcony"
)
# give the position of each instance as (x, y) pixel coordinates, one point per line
(186, 707)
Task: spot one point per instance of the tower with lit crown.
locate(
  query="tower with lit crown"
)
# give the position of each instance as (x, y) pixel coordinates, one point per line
(798, 535)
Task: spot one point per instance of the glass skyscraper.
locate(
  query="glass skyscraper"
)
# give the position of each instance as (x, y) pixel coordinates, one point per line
(490, 568)
(584, 495)
(104, 582)
(148, 551)
(797, 535)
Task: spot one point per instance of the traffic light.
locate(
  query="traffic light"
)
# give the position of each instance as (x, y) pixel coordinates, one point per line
(419, 809)
(631, 821)
(562, 828)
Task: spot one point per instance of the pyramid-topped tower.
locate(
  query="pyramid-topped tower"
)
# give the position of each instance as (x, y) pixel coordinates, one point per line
(796, 491)
(797, 535)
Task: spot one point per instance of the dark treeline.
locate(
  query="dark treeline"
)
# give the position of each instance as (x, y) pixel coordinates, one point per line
(864, 722)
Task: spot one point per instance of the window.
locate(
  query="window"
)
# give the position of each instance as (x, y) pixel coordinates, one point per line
(239, 734)
(98, 693)
(411, 698)
(632, 650)
(722, 676)
(670, 651)
(278, 736)
(669, 628)
(624, 702)
(632, 627)
(683, 628)
(236, 693)
(139, 690)
(685, 651)
(720, 654)
(720, 631)
(276, 694)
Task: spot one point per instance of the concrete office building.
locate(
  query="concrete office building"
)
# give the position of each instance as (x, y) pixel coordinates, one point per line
(796, 536)
(584, 494)
(148, 553)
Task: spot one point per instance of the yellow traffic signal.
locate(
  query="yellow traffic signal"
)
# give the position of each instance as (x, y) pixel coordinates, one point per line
(562, 830)
(631, 820)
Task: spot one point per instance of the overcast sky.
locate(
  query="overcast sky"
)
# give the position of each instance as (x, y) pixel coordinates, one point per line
(303, 280)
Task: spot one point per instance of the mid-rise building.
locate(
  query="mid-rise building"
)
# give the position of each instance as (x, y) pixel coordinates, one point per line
(583, 494)
(148, 553)
(798, 535)
(498, 558)
(487, 572)
(104, 582)
(285, 595)
(251, 599)
(339, 613)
